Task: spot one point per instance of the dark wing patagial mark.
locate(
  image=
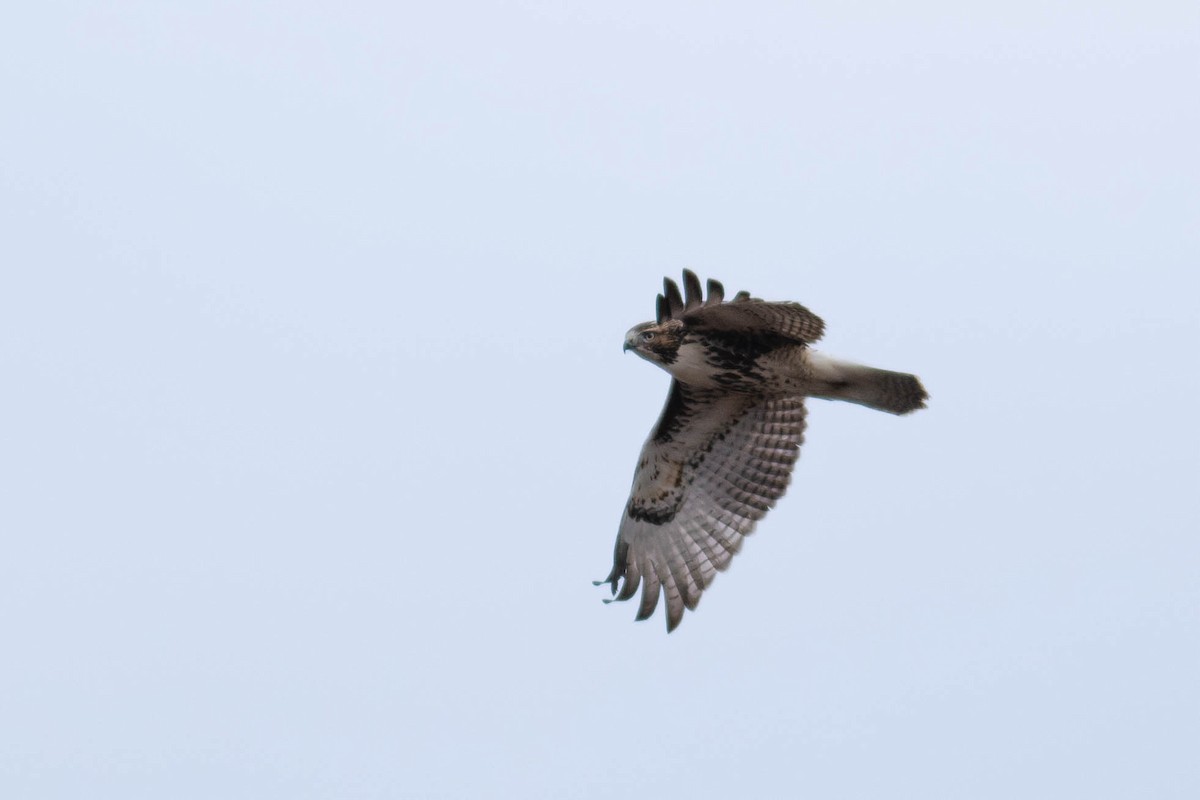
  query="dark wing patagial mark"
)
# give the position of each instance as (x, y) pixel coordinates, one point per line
(672, 417)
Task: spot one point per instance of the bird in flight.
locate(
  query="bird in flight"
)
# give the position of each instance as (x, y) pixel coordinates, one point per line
(722, 451)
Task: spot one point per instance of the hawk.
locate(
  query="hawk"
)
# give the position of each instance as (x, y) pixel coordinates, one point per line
(721, 454)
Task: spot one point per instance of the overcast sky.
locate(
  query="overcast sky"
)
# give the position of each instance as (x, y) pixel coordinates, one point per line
(316, 426)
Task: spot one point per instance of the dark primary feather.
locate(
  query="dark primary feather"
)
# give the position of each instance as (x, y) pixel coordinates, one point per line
(674, 300)
(716, 292)
(692, 293)
(672, 305)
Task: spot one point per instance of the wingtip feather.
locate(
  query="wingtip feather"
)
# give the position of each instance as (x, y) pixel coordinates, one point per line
(716, 292)
(692, 293)
(675, 304)
(650, 591)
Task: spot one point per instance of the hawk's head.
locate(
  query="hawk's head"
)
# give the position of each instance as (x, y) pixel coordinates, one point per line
(657, 342)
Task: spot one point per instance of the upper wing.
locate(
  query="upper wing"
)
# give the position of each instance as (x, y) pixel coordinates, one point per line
(714, 465)
(741, 315)
(753, 316)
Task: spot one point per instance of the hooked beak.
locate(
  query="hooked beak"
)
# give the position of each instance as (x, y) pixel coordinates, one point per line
(626, 348)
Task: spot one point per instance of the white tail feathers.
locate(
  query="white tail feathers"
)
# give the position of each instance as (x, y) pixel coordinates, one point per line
(881, 389)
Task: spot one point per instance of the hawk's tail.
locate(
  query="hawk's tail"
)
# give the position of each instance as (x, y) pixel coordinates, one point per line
(881, 389)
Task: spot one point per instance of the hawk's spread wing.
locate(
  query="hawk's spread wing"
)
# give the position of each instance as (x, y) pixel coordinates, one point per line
(749, 315)
(713, 467)
(741, 315)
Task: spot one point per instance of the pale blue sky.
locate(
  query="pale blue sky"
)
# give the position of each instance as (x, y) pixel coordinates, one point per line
(317, 425)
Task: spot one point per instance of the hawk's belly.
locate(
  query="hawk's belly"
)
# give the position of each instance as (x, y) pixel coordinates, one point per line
(703, 365)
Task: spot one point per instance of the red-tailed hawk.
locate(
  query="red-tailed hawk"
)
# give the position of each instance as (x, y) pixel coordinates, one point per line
(722, 452)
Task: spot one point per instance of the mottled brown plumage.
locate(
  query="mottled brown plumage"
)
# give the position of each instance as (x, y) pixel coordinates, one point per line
(722, 452)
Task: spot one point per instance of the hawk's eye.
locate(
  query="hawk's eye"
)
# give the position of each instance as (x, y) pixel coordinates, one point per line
(647, 336)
